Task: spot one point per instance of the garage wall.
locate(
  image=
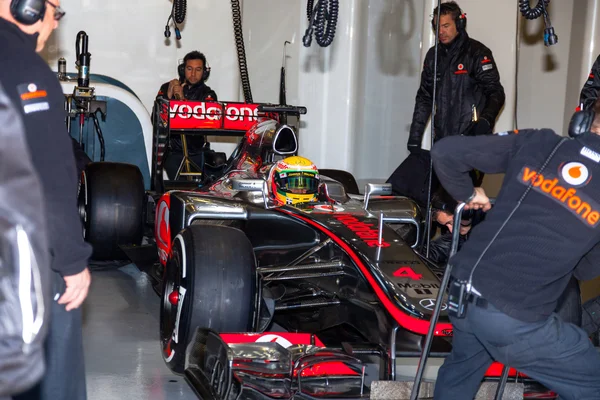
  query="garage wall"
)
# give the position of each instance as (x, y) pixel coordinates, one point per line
(128, 44)
(359, 91)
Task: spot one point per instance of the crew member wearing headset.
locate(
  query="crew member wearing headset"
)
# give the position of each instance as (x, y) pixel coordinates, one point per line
(469, 95)
(589, 92)
(193, 73)
(34, 90)
(543, 230)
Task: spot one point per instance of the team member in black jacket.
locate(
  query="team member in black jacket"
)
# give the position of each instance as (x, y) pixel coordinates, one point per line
(191, 85)
(35, 91)
(589, 92)
(469, 95)
(519, 260)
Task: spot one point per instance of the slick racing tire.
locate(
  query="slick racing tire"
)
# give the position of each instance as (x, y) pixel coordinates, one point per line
(210, 282)
(111, 201)
(343, 177)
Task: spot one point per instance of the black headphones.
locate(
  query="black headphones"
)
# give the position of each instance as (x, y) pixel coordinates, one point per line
(581, 122)
(451, 8)
(206, 67)
(28, 12)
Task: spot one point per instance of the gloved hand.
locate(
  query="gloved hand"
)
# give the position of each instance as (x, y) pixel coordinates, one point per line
(414, 143)
(481, 127)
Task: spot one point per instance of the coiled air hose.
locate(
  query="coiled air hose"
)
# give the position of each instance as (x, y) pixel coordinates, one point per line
(323, 20)
(179, 10)
(533, 13)
(241, 49)
(539, 10)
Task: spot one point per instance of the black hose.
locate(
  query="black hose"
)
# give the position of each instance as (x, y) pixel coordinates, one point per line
(179, 10)
(323, 20)
(539, 10)
(533, 13)
(241, 49)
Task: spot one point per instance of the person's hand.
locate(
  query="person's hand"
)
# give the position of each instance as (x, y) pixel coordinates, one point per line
(77, 289)
(481, 127)
(479, 201)
(414, 144)
(175, 90)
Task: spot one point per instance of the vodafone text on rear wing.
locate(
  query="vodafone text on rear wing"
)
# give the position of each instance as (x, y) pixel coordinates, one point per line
(211, 115)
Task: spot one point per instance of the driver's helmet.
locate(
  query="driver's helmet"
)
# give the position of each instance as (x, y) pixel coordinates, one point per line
(294, 180)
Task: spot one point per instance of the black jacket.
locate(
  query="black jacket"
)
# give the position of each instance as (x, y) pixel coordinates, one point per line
(589, 92)
(535, 249)
(467, 76)
(197, 92)
(34, 90)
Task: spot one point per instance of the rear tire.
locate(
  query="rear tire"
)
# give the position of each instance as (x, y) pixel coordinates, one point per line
(111, 202)
(343, 177)
(212, 271)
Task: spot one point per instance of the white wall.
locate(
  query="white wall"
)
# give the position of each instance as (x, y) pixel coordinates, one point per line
(126, 42)
(360, 90)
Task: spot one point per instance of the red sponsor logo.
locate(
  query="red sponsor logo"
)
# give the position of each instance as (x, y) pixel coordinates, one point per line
(162, 230)
(364, 231)
(209, 115)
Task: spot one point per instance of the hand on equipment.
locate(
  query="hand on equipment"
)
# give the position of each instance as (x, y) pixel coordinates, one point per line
(175, 90)
(479, 201)
(481, 127)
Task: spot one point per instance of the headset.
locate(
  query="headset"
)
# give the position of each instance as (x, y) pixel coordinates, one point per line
(451, 8)
(28, 12)
(200, 56)
(581, 123)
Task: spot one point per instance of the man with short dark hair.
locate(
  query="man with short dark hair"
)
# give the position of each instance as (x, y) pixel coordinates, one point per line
(190, 85)
(544, 229)
(35, 91)
(591, 87)
(469, 95)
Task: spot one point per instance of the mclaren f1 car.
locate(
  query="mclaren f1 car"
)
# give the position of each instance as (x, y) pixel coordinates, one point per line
(267, 299)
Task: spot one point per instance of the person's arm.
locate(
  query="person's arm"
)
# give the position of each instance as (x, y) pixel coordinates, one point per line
(453, 157)
(487, 77)
(422, 109)
(589, 92)
(589, 265)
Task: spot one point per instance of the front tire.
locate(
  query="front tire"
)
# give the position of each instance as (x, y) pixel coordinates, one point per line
(210, 282)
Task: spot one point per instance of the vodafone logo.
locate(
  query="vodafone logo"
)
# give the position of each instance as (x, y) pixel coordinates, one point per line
(274, 339)
(461, 67)
(575, 173)
(202, 111)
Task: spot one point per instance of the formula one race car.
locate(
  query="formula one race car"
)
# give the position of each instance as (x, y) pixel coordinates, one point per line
(268, 291)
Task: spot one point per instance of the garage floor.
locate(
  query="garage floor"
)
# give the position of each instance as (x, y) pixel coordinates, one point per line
(122, 353)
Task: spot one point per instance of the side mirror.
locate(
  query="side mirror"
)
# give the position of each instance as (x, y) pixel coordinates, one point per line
(376, 189)
(248, 185)
(252, 185)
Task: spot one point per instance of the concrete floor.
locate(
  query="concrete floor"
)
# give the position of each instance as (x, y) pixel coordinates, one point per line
(122, 353)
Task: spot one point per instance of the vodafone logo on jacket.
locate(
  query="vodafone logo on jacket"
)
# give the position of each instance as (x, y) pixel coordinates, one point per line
(575, 173)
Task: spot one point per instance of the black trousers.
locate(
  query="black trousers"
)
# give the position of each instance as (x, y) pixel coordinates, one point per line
(555, 353)
(65, 367)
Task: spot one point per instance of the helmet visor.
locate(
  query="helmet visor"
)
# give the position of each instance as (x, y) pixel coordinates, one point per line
(298, 182)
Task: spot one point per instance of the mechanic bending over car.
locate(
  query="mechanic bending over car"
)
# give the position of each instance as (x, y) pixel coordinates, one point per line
(193, 73)
(35, 91)
(589, 91)
(443, 205)
(542, 230)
